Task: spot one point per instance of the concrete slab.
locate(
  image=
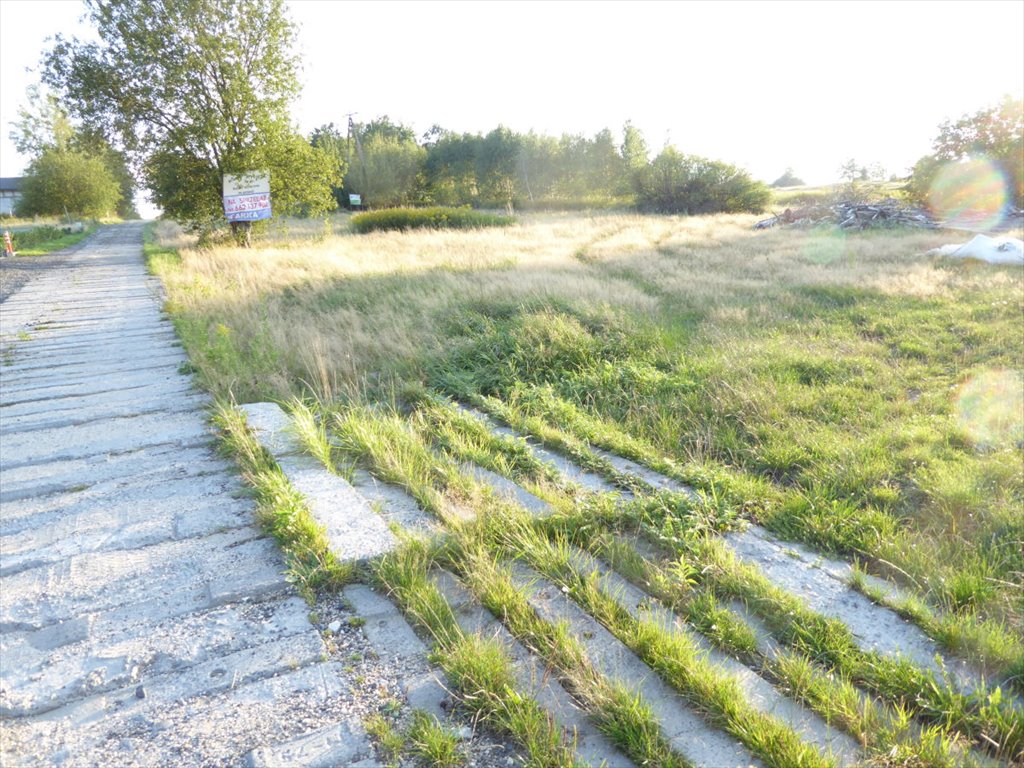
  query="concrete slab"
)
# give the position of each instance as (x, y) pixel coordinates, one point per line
(508, 490)
(143, 620)
(386, 628)
(394, 504)
(339, 744)
(117, 435)
(355, 531)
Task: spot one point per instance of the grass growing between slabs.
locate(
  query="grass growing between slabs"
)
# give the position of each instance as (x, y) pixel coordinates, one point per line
(844, 390)
(399, 449)
(282, 511)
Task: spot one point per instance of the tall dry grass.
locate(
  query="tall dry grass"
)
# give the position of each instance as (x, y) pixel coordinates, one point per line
(326, 309)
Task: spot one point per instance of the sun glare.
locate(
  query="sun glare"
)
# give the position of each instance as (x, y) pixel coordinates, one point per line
(972, 193)
(990, 406)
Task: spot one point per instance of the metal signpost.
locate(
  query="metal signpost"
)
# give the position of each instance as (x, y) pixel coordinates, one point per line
(247, 196)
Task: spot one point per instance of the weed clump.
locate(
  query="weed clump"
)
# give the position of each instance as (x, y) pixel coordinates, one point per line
(426, 218)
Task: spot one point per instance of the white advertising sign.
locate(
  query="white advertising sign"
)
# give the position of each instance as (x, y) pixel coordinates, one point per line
(247, 196)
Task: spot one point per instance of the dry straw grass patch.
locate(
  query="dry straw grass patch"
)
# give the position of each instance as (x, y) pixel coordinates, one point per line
(333, 306)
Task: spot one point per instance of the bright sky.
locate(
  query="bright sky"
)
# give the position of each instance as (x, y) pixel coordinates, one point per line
(764, 85)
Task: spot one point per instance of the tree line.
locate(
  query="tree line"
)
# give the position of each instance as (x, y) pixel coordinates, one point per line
(387, 165)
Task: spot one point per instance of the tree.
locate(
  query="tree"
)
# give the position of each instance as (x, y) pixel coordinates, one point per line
(64, 180)
(329, 139)
(497, 159)
(194, 90)
(995, 133)
(388, 169)
(43, 124)
(788, 179)
(450, 168)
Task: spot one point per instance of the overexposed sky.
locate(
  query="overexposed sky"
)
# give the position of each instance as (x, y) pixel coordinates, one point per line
(764, 85)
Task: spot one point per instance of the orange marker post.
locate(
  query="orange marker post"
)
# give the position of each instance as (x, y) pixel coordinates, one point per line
(8, 244)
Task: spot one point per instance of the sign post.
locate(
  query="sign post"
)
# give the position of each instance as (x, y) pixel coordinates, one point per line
(246, 199)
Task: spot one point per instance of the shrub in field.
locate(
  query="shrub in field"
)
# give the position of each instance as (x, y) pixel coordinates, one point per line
(426, 218)
(36, 235)
(678, 183)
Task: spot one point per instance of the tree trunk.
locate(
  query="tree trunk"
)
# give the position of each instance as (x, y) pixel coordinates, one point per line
(242, 232)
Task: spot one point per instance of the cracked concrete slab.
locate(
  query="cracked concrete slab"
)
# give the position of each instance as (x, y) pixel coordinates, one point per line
(354, 531)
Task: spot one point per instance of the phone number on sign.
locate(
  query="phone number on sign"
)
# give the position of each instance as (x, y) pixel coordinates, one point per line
(248, 203)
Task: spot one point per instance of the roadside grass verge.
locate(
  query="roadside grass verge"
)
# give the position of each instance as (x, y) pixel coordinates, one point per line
(479, 668)
(399, 455)
(39, 241)
(846, 530)
(994, 724)
(474, 552)
(670, 654)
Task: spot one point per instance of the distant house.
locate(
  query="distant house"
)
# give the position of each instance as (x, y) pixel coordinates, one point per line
(10, 193)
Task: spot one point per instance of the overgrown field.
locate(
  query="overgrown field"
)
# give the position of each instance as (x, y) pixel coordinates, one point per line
(845, 391)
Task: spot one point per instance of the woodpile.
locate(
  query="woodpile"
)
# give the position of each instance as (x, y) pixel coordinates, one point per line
(851, 215)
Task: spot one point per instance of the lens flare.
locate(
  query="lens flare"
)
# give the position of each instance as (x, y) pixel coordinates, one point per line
(972, 193)
(990, 406)
(826, 247)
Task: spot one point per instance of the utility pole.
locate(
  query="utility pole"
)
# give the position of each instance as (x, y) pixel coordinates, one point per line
(348, 139)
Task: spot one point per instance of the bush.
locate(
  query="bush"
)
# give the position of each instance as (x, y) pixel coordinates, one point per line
(678, 183)
(426, 218)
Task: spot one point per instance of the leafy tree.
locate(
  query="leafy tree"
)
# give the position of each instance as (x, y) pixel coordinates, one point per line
(60, 180)
(450, 168)
(43, 124)
(391, 173)
(634, 147)
(387, 169)
(497, 158)
(384, 128)
(788, 179)
(537, 168)
(995, 132)
(678, 183)
(329, 139)
(195, 89)
(634, 157)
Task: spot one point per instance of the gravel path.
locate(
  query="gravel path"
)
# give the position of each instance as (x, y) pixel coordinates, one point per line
(16, 271)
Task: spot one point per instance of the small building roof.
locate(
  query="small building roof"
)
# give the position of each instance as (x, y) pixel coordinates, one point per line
(10, 183)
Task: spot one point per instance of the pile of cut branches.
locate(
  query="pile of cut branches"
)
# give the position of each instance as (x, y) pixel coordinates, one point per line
(851, 215)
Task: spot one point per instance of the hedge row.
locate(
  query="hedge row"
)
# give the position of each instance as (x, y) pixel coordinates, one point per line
(426, 218)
